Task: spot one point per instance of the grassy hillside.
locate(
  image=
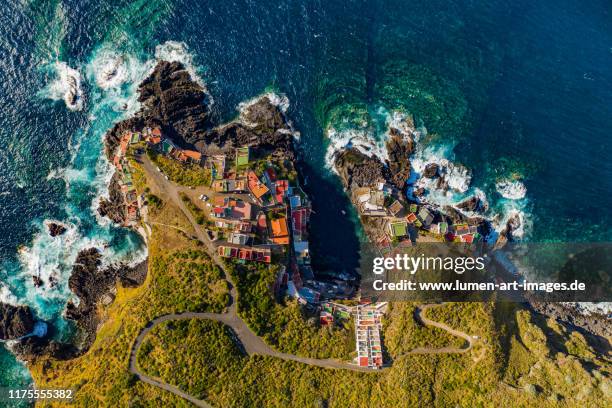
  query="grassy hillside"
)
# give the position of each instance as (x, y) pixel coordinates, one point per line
(181, 277)
(174, 351)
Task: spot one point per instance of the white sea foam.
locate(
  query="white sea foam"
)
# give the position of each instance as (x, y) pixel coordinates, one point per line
(279, 100)
(6, 296)
(175, 51)
(50, 258)
(511, 189)
(589, 308)
(457, 176)
(66, 86)
(110, 69)
(358, 139)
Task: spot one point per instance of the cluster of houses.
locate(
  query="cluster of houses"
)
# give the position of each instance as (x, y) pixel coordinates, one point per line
(259, 213)
(262, 210)
(368, 326)
(403, 220)
(132, 202)
(155, 139)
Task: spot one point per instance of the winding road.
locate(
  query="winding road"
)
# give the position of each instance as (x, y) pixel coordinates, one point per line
(251, 343)
(443, 350)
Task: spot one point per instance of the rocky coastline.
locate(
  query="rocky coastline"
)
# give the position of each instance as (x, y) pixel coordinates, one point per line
(56, 228)
(177, 104)
(357, 169)
(94, 285)
(15, 321)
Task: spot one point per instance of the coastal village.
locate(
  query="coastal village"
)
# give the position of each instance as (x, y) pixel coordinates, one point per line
(256, 214)
(403, 222)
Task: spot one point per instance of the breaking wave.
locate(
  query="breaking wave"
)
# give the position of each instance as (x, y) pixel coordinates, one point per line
(175, 51)
(453, 183)
(511, 189)
(66, 86)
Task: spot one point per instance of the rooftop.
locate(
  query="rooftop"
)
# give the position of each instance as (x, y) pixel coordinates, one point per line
(257, 187)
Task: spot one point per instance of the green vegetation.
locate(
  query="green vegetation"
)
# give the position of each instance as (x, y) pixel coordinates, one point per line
(160, 358)
(154, 201)
(403, 333)
(285, 327)
(175, 350)
(197, 212)
(185, 174)
(226, 377)
(180, 277)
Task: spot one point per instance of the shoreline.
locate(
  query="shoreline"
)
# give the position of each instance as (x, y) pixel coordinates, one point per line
(356, 170)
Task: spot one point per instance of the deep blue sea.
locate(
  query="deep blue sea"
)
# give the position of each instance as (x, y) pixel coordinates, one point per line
(517, 91)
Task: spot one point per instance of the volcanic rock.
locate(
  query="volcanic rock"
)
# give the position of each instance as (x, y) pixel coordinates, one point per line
(37, 281)
(456, 216)
(358, 170)
(399, 149)
(33, 347)
(171, 98)
(262, 125)
(15, 321)
(114, 206)
(55, 229)
(442, 183)
(473, 204)
(90, 284)
(431, 170)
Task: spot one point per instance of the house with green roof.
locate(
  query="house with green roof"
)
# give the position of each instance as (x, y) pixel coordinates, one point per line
(398, 229)
(242, 157)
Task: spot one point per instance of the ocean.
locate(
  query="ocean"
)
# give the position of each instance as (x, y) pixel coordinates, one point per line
(518, 92)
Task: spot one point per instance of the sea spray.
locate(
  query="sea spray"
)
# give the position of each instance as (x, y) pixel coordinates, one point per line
(174, 51)
(370, 137)
(511, 189)
(65, 86)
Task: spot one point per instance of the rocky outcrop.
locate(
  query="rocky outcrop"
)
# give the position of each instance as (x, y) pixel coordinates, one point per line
(173, 100)
(38, 282)
(113, 136)
(15, 321)
(91, 284)
(455, 216)
(359, 170)
(505, 235)
(596, 324)
(399, 149)
(472, 204)
(114, 206)
(55, 229)
(32, 348)
(170, 100)
(262, 125)
(432, 170)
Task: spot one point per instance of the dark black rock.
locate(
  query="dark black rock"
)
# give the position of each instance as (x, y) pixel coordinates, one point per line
(173, 100)
(358, 170)
(399, 149)
(15, 321)
(55, 229)
(91, 283)
(418, 192)
(38, 282)
(473, 204)
(114, 206)
(431, 171)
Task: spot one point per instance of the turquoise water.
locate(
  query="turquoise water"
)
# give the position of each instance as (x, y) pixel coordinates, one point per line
(514, 91)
